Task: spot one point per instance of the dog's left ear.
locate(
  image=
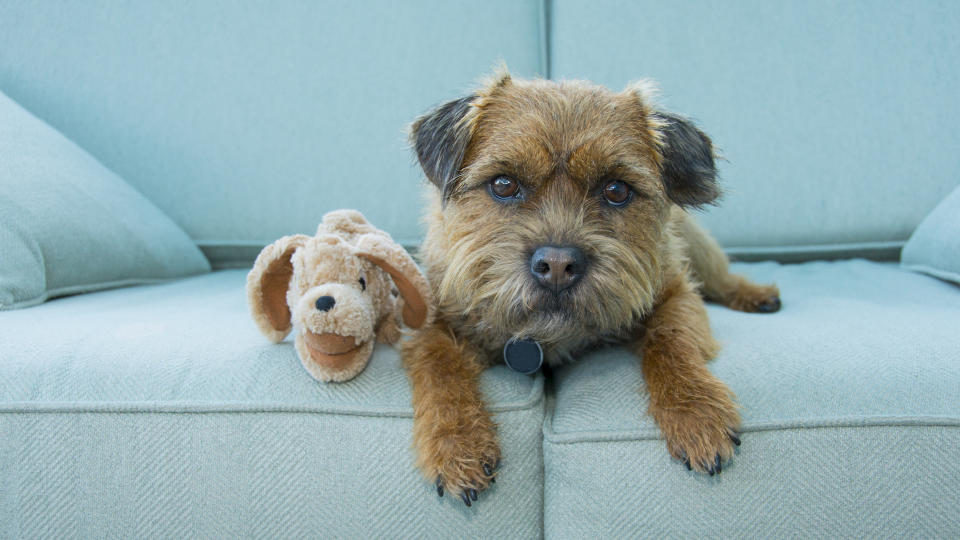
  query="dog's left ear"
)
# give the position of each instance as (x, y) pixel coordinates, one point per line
(440, 139)
(688, 171)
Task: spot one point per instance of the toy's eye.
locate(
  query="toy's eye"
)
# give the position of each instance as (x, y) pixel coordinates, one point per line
(616, 192)
(504, 188)
(363, 284)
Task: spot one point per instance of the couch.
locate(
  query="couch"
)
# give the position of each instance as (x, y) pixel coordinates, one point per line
(149, 150)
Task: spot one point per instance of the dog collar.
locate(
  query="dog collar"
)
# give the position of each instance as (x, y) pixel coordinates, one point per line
(523, 355)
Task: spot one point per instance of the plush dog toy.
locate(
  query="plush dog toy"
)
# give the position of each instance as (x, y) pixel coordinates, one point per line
(342, 289)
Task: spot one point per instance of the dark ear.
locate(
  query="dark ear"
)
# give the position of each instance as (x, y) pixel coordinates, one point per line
(440, 139)
(688, 171)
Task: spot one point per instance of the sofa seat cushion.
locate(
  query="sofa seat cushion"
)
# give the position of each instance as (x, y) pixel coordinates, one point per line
(161, 410)
(851, 419)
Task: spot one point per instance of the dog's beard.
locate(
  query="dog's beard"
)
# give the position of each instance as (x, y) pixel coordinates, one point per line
(491, 283)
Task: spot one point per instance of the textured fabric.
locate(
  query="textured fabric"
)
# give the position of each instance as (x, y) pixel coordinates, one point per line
(247, 122)
(837, 119)
(69, 225)
(161, 411)
(851, 423)
(934, 248)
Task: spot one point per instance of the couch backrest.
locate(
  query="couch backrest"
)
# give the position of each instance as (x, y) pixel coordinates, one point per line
(245, 122)
(839, 120)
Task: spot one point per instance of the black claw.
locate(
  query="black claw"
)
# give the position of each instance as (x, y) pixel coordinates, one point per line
(717, 464)
(493, 479)
(735, 439)
(687, 463)
(465, 497)
(473, 493)
(487, 470)
(770, 305)
(440, 486)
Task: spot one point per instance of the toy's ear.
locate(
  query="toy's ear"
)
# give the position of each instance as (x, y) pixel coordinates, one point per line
(267, 285)
(689, 174)
(395, 260)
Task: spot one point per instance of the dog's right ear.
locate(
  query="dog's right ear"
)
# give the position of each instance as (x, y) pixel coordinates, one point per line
(440, 139)
(267, 285)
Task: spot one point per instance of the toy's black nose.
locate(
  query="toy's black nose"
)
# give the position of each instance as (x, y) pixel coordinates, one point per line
(324, 303)
(558, 268)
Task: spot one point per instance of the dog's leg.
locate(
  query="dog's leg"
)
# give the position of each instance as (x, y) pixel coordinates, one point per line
(454, 434)
(712, 268)
(696, 412)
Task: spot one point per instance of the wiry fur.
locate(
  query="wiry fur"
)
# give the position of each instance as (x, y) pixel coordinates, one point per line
(562, 142)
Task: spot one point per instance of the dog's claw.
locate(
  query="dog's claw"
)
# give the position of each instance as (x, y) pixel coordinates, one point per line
(487, 470)
(440, 486)
(735, 439)
(769, 305)
(465, 497)
(473, 493)
(717, 465)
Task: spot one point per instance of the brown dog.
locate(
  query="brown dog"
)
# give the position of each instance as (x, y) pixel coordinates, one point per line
(559, 219)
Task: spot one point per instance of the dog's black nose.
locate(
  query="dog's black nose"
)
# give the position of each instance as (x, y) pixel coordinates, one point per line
(324, 303)
(558, 268)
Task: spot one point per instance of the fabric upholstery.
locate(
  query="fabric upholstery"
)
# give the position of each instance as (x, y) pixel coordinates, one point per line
(836, 120)
(69, 225)
(247, 123)
(162, 411)
(934, 248)
(851, 422)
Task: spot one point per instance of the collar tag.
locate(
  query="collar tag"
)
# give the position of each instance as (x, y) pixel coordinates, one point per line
(523, 355)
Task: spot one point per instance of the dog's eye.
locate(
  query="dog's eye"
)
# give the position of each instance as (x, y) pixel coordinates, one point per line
(504, 187)
(616, 192)
(363, 284)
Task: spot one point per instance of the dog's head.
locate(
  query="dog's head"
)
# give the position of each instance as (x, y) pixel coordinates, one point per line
(337, 288)
(552, 203)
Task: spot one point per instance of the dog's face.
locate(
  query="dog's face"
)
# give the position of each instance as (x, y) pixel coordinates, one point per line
(552, 205)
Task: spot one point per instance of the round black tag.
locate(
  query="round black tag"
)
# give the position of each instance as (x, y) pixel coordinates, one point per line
(523, 355)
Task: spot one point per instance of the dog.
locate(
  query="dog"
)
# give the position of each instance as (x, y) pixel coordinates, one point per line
(558, 218)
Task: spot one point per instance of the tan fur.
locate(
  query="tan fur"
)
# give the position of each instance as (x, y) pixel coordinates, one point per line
(562, 141)
(291, 274)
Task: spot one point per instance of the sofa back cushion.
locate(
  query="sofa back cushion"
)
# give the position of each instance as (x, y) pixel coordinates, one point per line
(837, 119)
(69, 225)
(247, 122)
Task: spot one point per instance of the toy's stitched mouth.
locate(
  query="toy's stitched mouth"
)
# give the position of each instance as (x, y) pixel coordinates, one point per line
(331, 350)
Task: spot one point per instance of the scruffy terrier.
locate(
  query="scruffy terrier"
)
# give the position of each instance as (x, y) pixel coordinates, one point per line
(559, 220)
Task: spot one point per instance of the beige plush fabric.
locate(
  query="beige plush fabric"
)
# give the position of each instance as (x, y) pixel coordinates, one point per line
(340, 290)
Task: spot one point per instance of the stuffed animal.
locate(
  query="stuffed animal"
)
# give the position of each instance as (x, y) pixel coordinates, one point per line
(341, 290)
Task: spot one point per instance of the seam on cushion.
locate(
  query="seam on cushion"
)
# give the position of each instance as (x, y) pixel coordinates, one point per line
(534, 398)
(951, 277)
(573, 437)
(88, 288)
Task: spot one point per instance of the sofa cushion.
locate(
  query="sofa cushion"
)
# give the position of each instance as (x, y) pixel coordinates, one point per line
(851, 422)
(934, 248)
(162, 411)
(838, 124)
(247, 122)
(69, 225)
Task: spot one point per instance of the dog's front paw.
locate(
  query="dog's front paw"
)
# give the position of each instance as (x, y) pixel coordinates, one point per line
(461, 463)
(701, 436)
(752, 298)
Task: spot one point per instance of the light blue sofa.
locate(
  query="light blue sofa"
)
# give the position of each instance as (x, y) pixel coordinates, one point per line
(158, 410)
